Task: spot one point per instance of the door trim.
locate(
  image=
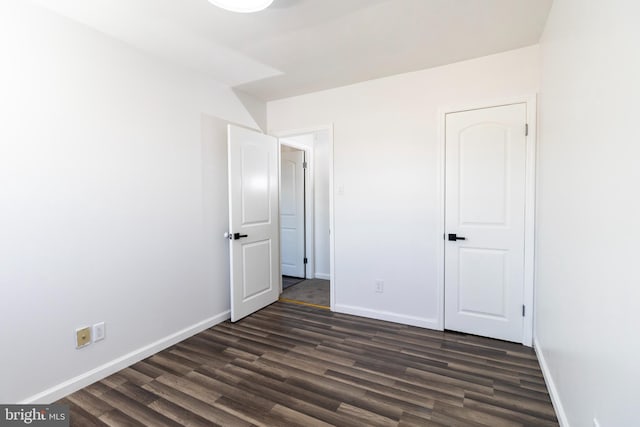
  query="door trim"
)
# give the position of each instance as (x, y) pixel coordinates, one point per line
(294, 132)
(529, 227)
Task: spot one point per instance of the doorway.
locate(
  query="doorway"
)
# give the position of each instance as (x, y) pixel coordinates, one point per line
(305, 217)
(488, 221)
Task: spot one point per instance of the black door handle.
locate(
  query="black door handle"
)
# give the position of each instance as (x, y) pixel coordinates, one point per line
(237, 236)
(453, 237)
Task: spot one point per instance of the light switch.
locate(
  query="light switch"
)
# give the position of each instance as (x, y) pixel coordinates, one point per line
(98, 332)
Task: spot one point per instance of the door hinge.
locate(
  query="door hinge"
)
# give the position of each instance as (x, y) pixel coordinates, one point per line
(526, 129)
(523, 310)
(305, 260)
(304, 165)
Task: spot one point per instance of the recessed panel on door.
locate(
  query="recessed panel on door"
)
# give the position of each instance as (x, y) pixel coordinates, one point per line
(256, 278)
(288, 207)
(256, 207)
(289, 257)
(484, 174)
(483, 289)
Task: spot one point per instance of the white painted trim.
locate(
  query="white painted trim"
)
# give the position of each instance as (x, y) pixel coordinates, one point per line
(323, 276)
(329, 128)
(551, 385)
(530, 190)
(388, 316)
(440, 169)
(76, 383)
(332, 228)
(529, 221)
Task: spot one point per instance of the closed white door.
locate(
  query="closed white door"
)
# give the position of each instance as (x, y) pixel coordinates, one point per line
(292, 212)
(253, 220)
(484, 221)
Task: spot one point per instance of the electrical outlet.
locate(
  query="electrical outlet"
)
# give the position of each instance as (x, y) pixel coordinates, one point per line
(83, 337)
(98, 332)
(379, 286)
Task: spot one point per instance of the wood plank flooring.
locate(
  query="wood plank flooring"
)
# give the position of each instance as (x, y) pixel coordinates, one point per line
(291, 365)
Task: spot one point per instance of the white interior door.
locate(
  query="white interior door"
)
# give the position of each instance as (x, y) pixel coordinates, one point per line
(485, 206)
(292, 212)
(253, 220)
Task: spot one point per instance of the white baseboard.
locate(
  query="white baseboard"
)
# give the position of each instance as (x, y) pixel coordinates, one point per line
(74, 384)
(389, 316)
(322, 276)
(551, 386)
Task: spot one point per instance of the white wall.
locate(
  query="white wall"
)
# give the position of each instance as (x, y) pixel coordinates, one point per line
(111, 175)
(588, 322)
(321, 187)
(385, 161)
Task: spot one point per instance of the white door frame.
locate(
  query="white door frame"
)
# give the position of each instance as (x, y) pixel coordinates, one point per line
(311, 232)
(530, 171)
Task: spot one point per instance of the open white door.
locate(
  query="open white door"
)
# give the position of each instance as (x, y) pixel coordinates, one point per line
(485, 221)
(292, 212)
(253, 221)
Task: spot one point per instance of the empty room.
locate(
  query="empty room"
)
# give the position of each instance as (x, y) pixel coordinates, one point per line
(319, 212)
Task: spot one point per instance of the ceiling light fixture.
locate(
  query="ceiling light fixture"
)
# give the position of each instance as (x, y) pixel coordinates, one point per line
(242, 6)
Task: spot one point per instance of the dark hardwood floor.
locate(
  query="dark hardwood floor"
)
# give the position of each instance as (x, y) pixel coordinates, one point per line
(291, 365)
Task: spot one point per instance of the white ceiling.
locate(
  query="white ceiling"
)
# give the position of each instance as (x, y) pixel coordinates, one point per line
(301, 46)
